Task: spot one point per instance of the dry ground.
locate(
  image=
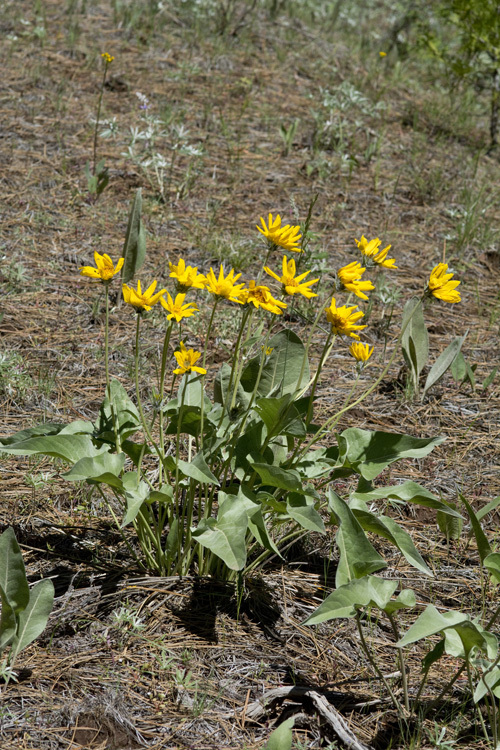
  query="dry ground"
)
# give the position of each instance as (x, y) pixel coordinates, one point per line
(190, 674)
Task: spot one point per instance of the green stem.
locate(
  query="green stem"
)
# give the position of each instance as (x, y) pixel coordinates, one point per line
(396, 703)
(164, 355)
(479, 713)
(108, 386)
(402, 664)
(98, 115)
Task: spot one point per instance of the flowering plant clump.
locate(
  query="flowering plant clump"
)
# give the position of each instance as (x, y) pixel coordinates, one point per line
(237, 468)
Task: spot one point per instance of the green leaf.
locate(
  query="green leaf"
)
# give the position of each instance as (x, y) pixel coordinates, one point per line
(8, 622)
(483, 546)
(492, 565)
(127, 417)
(387, 528)
(198, 470)
(358, 557)
(489, 379)
(280, 416)
(369, 453)
(458, 368)
(488, 682)
(406, 599)
(256, 523)
(281, 738)
(492, 505)
(47, 428)
(191, 392)
(302, 510)
(450, 526)
(223, 395)
(134, 248)
(13, 579)
(443, 362)
(103, 468)
(277, 477)
(433, 656)
(409, 492)
(282, 368)
(431, 621)
(226, 536)
(368, 591)
(135, 497)
(415, 339)
(33, 619)
(70, 448)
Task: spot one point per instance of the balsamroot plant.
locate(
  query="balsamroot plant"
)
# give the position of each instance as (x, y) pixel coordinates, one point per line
(215, 482)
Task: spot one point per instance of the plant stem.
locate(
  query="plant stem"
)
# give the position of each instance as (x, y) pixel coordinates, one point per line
(402, 664)
(396, 703)
(98, 115)
(106, 364)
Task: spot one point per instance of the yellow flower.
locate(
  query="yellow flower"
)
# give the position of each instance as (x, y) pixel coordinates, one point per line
(360, 352)
(177, 308)
(344, 319)
(225, 286)
(186, 359)
(383, 54)
(105, 269)
(371, 250)
(287, 237)
(260, 296)
(142, 300)
(441, 286)
(291, 283)
(107, 58)
(186, 276)
(350, 278)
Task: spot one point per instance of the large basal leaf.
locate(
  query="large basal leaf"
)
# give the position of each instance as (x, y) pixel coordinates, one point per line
(226, 536)
(33, 619)
(369, 453)
(347, 599)
(489, 682)
(302, 510)
(443, 363)
(127, 417)
(12, 572)
(256, 524)
(357, 556)
(483, 545)
(48, 428)
(70, 448)
(223, 394)
(8, 622)
(280, 416)
(104, 468)
(134, 248)
(282, 367)
(135, 496)
(191, 392)
(387, 528)
(431, 621)
(281, 738)
(415, 339)
(408, 492)
(274, 476)
(492, 565)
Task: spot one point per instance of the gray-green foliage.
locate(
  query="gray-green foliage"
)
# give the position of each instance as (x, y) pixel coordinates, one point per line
(25, 611)
(134, 248)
